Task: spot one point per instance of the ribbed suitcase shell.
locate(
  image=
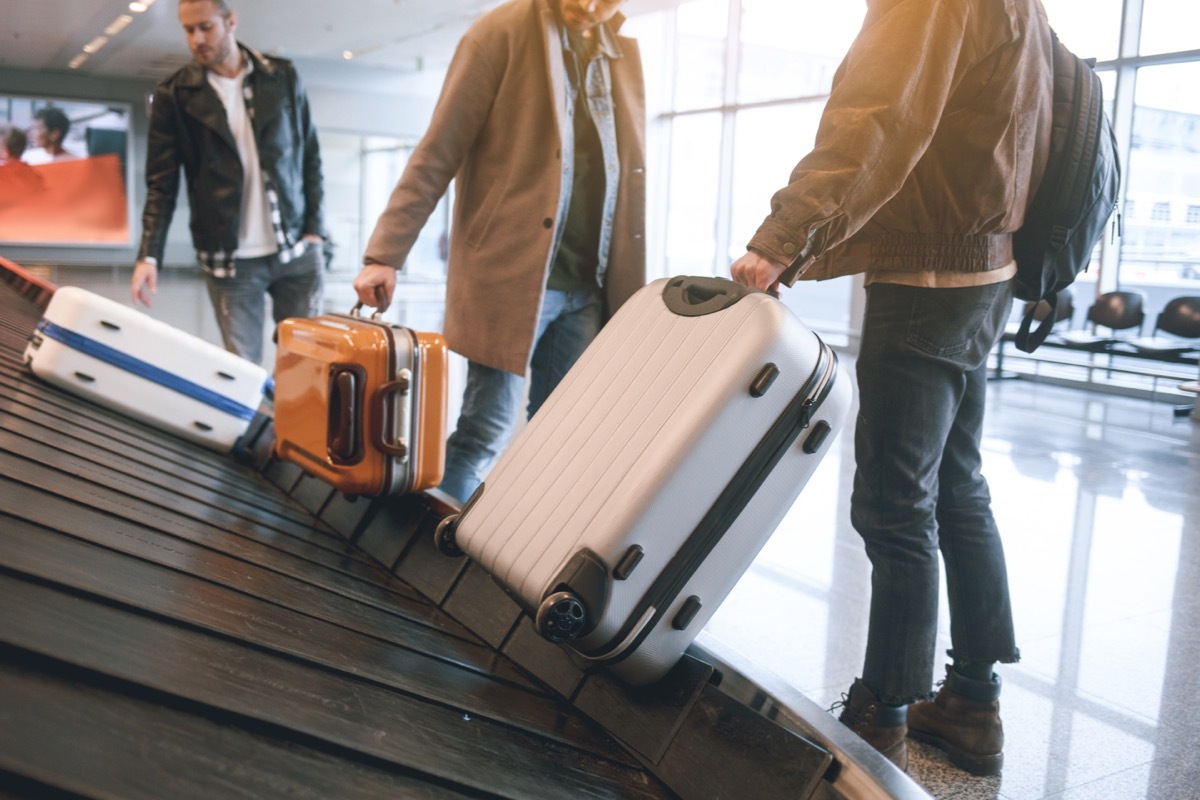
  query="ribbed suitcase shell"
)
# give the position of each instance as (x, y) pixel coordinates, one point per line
(633, 448)
(144, 368)
(380, 431)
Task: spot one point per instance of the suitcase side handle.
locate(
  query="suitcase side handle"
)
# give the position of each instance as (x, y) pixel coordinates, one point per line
(698, 296)
(386, 414)
(342, 435)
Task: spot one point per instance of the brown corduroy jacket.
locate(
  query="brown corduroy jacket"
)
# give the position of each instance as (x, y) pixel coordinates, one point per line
(935, 134)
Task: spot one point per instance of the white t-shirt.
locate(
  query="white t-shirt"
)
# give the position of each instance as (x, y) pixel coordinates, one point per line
(38, 155)
(256, 235)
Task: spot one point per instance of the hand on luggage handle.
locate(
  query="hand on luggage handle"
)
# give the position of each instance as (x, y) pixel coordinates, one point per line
(381, 304)
(381, 299)
(758, 271)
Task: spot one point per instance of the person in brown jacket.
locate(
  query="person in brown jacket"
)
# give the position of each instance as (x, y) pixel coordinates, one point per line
(934, 138)
(541, 123)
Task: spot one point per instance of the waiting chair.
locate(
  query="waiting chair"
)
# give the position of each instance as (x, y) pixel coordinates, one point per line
(1117, 311)
(1181, 319)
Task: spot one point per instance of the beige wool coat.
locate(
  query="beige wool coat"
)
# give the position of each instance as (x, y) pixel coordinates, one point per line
(497, 128)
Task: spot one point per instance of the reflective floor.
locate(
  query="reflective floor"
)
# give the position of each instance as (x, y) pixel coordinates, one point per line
(1099, 500)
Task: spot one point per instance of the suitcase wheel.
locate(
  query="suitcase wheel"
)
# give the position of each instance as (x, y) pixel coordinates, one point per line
(561, 617)
(443, 537)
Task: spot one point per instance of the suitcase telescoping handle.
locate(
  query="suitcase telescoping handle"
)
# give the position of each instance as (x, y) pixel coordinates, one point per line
(389, 415)
(696, 297)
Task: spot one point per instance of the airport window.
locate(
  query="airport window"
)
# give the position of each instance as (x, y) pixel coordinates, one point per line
(360, 174)
(738, 85)
(691, 227)
(701, 27)
(1091, 28)
(1169, 26)
(1157, 255)
(777, 64)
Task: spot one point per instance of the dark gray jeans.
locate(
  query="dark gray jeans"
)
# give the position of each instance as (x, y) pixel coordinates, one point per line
(918, 487)
(240, 301)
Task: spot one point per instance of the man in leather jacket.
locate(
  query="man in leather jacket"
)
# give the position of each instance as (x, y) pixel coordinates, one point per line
(238, 124)
(929, 150)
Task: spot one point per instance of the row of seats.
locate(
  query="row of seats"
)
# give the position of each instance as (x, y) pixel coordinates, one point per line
(1176, 330)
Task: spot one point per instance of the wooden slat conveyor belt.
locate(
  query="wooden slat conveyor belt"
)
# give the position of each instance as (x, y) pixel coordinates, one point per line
(178, 623)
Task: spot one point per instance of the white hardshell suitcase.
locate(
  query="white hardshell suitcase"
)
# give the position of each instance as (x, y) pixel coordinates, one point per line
(634, 500)
(144, 368)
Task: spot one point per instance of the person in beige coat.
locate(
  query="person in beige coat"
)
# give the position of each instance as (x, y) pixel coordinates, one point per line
(541, 123)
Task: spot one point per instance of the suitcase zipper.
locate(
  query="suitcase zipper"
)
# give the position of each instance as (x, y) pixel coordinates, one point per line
(724, 511)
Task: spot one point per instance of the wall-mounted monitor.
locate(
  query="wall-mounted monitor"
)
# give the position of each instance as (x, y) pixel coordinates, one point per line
(64, 176)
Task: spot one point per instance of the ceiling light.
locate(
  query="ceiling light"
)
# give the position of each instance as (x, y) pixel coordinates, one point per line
(77, 61)
(138, 8)
(119, 24)
(95, 44)
(349, 55)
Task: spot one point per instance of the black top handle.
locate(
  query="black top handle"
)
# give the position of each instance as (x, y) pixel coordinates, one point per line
(695, 296)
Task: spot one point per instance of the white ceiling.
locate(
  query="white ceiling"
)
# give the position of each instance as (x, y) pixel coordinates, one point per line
(399, 40)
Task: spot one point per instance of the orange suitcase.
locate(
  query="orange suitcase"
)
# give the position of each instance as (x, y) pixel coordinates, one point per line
(361, 403)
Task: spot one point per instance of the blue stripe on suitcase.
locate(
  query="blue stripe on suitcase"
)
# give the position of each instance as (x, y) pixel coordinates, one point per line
(142, 369)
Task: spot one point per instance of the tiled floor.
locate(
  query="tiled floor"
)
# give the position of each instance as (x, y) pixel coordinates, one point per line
(1099, 501)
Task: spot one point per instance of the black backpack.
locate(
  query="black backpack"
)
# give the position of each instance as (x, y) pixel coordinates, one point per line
(1075, 199)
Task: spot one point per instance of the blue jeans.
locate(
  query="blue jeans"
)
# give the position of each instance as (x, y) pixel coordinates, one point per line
(568, 323)
(918, 488)
(239, 301)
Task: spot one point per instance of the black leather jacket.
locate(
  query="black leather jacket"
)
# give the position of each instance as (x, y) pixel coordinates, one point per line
(189, 129)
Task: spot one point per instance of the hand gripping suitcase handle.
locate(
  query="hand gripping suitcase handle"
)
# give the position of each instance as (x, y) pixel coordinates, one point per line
(381, 305)
(696, 297)
(389, 412)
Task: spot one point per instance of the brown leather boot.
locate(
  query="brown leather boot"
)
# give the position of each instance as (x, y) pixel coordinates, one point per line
(880, 726)
(963, 719)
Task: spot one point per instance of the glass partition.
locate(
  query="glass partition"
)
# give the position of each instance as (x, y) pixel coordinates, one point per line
(1169, 26)
(1160, 249)
(360, 173)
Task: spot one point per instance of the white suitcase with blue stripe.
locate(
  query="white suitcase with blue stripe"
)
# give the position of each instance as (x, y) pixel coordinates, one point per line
(144, 368)
(633, 501)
